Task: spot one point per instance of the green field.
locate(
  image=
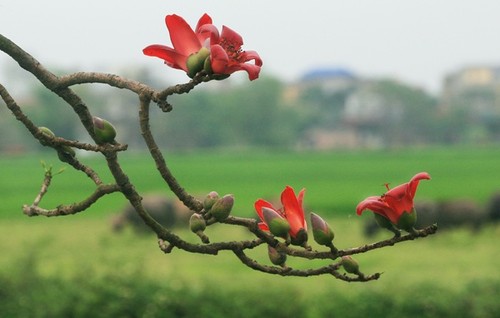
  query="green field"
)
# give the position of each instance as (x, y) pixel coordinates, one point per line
(335, 182)
(75, 266)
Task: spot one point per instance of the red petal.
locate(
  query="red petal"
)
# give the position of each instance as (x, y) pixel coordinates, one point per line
(413, 184)
(182, 36)
(218, 59)
(263, 226)
(205, 19)
(259, 204)
(252, 55)
(231, 36)
(293, 211)
(252, 70)
(171, 57)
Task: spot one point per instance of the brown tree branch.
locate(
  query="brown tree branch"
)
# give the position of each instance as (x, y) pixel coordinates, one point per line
(167, 239)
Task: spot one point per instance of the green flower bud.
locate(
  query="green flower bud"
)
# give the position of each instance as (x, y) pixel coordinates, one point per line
(222, 207)
(383, 222)
(210, 199)
(196, 61)
(67, 150)
(407, 221)
(276, 256)
(322, 233)
(104, 130)
(350, 265)
(46, 131)
(197, 223)
(277, 224)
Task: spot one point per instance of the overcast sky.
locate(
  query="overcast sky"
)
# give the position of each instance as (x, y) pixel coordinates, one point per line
(414, 41)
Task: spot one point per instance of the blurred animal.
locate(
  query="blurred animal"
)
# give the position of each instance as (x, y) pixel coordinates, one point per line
(166, 211)
(448, 214)
(493, 207)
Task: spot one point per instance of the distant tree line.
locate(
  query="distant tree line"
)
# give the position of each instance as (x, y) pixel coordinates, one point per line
(257, 115)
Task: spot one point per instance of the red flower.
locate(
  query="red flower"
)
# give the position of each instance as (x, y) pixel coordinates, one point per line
(227, 57)
(395, 201)
(292, 211)
(185, 41)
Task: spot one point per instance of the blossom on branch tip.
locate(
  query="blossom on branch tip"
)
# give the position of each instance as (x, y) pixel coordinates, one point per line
(291, 210)
(227, 57)
(185, 41)
(205, 49)
(397, 203)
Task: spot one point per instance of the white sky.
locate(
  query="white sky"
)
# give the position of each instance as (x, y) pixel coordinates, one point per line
(415, 41)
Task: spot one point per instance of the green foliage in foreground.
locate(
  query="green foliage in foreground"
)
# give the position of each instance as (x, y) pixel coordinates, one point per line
(30, 295)
(75, 267)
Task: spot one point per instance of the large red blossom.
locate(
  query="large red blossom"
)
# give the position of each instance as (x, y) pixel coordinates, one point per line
(185, 40)
(395, 201)
(292, 211)
(227, 57)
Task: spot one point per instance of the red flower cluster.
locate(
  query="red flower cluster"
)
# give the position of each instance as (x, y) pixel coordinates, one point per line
(219, 54)
(396, 201)
(292, 211)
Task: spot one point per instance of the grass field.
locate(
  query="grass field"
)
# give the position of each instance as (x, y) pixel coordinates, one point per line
(75, 266)
(335, 182)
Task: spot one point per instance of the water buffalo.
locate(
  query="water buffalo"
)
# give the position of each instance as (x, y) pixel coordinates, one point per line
(166, 211)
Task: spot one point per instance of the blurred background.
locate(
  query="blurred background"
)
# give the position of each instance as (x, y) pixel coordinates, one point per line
(351, 95)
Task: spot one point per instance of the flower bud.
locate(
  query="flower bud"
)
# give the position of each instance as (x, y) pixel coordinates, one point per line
(196, 61)
(277, 224)
(46, 131)
(350, 265)
(104, 130)
(222, 207)
(322, 233)
(407, 221)
(276, 256)
(67, 150)
(210, 199)
(197, 223)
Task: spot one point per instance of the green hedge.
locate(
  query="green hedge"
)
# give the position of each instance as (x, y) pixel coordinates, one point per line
(31, 295)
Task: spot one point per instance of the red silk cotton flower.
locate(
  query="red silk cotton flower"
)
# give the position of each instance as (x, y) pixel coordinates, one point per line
(292, 211)
(204, 49)
(395, 201)
(185, 41)
(227, 57)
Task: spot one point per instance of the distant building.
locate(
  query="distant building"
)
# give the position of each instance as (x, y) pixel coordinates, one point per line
(475, 88)
(328, 80)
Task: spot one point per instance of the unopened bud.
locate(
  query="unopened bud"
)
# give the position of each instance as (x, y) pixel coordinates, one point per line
(222, 207)
(46, 131)
(196, 61)
(350, 265)
(276, 256)
(322, 233)
(67, 150)
(104, 130)
(407, 221)
(197, 225)
(277, 224)
(210, 199)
